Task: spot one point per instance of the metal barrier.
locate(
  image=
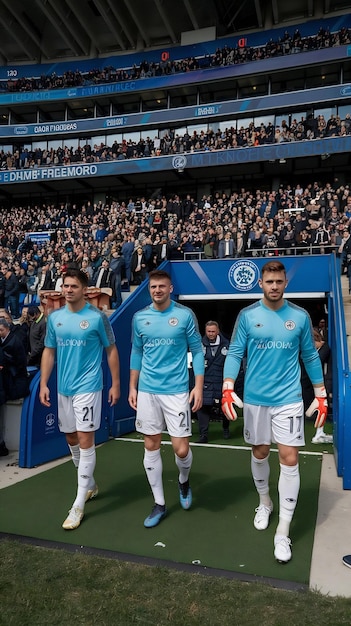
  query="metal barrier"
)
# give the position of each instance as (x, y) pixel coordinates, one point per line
(197, 255)
(292, 251)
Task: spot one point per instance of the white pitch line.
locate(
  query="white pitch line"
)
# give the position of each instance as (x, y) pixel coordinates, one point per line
(220, 446)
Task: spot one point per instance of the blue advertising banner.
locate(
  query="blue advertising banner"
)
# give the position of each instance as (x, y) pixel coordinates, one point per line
(234, 156)
(171, 116)
(175, 80)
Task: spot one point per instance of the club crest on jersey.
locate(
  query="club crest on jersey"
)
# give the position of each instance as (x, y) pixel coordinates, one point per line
(84, 324)
(290, 325)
(224, 351)
(173, 321)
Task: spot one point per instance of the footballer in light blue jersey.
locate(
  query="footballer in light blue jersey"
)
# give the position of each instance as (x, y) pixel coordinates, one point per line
(161, 340)
(273, 334)
(162, 334)
(272, 342)
(79, 339)
(76, 335)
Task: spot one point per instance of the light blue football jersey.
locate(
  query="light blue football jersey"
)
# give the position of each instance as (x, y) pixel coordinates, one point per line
(160, 342)
(79, 339)
(273, 341)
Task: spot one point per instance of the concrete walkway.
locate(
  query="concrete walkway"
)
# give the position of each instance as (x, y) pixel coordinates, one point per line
(333, 530)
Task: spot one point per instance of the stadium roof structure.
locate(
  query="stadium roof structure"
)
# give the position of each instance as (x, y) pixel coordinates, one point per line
(40, 31)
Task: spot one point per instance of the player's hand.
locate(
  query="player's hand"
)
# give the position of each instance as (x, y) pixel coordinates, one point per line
(114, 395)
(44, 396)
(229, 401)
(195, 398)
(132, 398)
(319, 406)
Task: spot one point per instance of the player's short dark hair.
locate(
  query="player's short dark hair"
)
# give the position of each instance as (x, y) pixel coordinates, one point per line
(73, 272)
(159, 274)
(273, 266)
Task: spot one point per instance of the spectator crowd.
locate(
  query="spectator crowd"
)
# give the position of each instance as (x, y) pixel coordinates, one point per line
(289, 43)
(171, 143)
(118, 242)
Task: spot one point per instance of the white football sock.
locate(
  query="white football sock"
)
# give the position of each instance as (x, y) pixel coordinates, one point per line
(184, 466)
(288, 489)
(75, 453)
(260, 473)
(86, 468)
(153, 469)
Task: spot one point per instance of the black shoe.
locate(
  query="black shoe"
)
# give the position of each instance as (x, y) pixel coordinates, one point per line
(226, 434)
(202, 440)
(3, 450)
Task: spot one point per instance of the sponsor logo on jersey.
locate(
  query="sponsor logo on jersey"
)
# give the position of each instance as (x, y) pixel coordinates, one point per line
(290, 325)
(173, 321)
(84, 324)
(70, 342)
(243, 275)
(155, 343)
(268, 344)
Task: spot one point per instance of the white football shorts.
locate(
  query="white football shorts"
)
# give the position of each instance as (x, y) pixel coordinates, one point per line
(156, 413)
(80, 412)
(277, 424)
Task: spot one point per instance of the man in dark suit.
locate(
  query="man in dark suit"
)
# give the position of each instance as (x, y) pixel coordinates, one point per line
(215, 347)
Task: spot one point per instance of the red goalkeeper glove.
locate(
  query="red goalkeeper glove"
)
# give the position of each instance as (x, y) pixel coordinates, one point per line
(229, 401)
(319, 406)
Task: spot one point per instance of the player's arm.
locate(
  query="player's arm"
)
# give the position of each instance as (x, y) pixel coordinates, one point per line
(196, 394)
(232, 363)
(133, 388)
(113, 363)
(195, 346)
(46, 367)
(313, 365)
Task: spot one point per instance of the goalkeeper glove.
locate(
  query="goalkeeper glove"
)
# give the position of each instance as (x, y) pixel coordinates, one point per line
(319, 406)
(229, 401)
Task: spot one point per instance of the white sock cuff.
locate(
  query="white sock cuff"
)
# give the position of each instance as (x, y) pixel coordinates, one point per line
(87, 452)
(152, 455)
(259, 461)
(187, 458)
(289, 470)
